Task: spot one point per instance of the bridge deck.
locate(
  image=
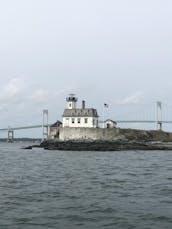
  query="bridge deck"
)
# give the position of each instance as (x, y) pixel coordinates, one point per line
(118, 121)
(22, 127)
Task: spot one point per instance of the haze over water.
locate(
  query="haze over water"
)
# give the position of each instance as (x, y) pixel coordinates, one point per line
(58, 189)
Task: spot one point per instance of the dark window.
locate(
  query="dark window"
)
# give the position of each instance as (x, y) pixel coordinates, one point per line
(73, 120)
(86, 120)
(108, 125)
(79, 120)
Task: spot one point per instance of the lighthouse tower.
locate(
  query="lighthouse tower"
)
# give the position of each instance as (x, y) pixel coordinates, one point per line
(71, 101)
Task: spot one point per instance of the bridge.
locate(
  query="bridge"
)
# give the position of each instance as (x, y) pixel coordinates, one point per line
(10, 130)
(45, 125)
(143, 121)
(21, 128)
(45, 128)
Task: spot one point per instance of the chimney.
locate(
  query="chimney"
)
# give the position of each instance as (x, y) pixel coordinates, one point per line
(83, 104)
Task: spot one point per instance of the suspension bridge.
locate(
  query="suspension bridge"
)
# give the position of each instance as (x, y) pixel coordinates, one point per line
(45, 128)
(158, 122)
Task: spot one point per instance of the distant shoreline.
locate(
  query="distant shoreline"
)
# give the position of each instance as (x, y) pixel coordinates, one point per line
(21, 140)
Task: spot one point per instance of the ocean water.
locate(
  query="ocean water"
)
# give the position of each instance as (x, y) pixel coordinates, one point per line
(96, 190)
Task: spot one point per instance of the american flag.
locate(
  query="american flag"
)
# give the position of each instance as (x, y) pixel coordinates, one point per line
(106, 105)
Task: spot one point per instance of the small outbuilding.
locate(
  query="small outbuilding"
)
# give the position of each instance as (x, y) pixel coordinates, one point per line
(54, 129)
(110, 124)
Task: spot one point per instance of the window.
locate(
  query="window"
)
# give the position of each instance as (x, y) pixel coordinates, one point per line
(66, 122)
(79, 120)
(73, 120)
(86, 120)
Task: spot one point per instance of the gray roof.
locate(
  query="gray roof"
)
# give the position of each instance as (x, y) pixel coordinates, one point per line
(110, 120)
(56, 124)
(89, 112)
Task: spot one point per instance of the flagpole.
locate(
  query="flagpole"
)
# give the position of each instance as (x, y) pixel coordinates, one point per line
(105, 106)
(103, 116)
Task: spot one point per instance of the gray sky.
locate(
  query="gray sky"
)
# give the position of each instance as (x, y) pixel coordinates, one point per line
(118, 52)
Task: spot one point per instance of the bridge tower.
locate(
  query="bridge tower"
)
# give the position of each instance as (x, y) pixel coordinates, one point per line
(45, 128)
(10, 136)
(159, 115)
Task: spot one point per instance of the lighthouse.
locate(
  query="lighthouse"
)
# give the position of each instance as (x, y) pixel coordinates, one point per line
(79, 117)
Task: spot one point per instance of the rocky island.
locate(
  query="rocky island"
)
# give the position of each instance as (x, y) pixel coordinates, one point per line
(80, 130)
(124, 139)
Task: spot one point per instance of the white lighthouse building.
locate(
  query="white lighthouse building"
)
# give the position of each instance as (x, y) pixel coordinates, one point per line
(79, 117)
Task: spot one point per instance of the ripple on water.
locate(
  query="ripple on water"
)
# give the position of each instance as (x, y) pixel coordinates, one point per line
(122, 190)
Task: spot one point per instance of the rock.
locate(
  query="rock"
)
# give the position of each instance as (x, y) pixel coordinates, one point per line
(27, 147)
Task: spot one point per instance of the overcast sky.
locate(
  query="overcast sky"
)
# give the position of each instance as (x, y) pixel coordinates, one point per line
(112, 51)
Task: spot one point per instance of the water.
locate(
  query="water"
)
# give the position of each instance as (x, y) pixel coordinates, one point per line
(96, 190)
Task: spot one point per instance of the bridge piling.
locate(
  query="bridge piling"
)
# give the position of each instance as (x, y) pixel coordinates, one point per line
(159, 115)
(10, 136)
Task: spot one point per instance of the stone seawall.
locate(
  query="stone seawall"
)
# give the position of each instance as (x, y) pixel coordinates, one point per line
(66, 134)
(115, 134)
